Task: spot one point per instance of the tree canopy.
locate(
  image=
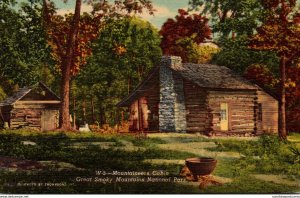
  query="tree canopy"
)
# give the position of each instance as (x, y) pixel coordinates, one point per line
(239, 17)
(23, 47)
(125, 51)
(180, 33)
(70, 37)
(281, 35)
(236, 55)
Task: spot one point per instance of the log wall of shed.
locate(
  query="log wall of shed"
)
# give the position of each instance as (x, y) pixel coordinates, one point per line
(28, 115)
(5, 111)
(241, 111)
(29, 118)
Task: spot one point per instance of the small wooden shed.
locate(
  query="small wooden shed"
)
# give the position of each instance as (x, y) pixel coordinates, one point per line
(200, 98)
(35, 107)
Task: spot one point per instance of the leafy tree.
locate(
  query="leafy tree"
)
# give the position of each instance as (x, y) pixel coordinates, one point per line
(236, 55)
(293, 84)
(239, 17)
(201, 54)
(125, 51)
(70, 38)
(23, 45)
(261, 75)
(180, 33)
(281, 35)
(292, 98)
(2, 94)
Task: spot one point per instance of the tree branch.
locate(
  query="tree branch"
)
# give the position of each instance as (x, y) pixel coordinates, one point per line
(224, 15)
(49, 25)
(58, 44)
(46, 13)
(74, 29)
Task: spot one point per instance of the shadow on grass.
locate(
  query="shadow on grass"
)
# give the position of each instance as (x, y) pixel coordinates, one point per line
(89, 160)
(56, 147)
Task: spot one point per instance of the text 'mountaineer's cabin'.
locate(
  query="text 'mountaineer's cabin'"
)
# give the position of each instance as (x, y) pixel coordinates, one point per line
(200, 98)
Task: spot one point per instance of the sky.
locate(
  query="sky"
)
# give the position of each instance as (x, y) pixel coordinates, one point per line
(165, 9)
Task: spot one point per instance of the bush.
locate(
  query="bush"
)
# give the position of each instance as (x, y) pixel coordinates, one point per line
(267, 155)
(273, 156)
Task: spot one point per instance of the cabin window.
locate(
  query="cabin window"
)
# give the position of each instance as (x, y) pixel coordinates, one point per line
(223, 111)
(224, 122)
(223, 114)
(259, 112)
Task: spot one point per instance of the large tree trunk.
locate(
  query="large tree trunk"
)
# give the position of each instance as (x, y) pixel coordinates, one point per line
(66, 70)
(282, 121)
(65, 96)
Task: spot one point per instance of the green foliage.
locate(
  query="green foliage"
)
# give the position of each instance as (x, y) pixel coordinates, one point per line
(23, 46)
(12, 145)
(2, 94)
(201, 54)
(267, 155)
(238, 16)
(124, 53)
(251, 186)
(236, 55)
(56, 147)
(294, 137)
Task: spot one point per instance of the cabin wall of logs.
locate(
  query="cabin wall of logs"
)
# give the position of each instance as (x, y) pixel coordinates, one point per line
(267, 108)
(29, 116)
(250, 112)
(241, 111)
(143, 112)
(199, 98)
(197, 115)
(152, 101)
(203, 107)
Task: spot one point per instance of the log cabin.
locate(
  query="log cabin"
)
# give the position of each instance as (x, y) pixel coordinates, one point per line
(33, 108)
(200, 98)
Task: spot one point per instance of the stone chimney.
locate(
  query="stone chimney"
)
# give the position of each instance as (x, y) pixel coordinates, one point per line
(172, 114)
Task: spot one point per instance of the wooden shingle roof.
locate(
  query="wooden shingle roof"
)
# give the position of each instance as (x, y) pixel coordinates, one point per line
(21, 93)
(213, 76)
(15, 97)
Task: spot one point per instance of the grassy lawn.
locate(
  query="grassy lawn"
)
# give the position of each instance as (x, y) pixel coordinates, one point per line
(245, 165)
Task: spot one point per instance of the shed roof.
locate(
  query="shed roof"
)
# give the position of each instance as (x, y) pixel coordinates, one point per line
(23, 92)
